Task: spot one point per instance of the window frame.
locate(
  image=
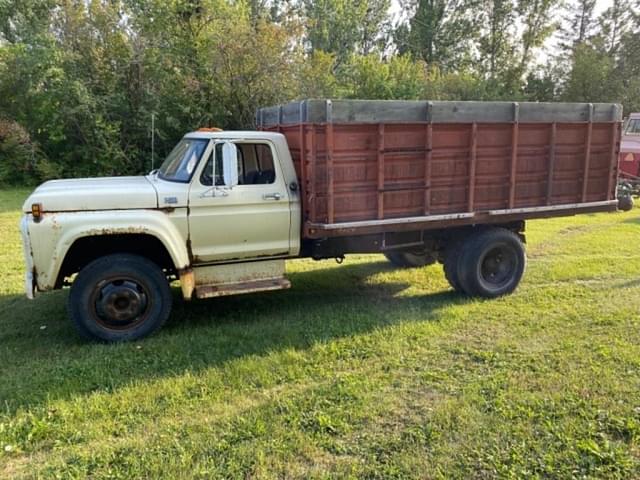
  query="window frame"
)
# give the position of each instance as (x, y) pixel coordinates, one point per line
(195, 168)
(238, 142)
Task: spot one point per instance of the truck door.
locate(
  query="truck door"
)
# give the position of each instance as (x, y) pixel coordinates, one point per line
(249, 220)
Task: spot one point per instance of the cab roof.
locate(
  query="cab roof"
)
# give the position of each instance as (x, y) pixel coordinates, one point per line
(234, 135)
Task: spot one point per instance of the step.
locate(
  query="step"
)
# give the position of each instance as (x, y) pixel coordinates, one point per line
(220, 290)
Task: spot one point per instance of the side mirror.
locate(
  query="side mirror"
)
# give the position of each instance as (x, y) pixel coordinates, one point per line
(230, 164)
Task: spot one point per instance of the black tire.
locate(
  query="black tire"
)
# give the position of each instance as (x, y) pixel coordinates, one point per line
(119, 298)
(625, 203)
(410, 259)
(491, 263)
(450, 266)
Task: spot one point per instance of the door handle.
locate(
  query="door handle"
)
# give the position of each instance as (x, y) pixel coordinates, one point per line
(272, 196)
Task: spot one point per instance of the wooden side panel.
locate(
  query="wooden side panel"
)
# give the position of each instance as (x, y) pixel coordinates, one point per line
(353, 172)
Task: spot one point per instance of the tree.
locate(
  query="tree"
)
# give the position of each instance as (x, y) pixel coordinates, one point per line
(343, 27)
(592, 77)
(614, 24)
(496, 45)
(578, 24)
(23, 20)
(513, 29)
(440, 32)
(537, 25)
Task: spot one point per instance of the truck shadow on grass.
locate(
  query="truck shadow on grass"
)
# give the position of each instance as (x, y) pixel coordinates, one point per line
(44, 358)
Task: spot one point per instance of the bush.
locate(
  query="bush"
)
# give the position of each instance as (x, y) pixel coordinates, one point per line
(21, 161)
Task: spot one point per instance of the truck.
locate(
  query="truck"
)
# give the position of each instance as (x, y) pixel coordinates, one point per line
(630, 157)
(417, 181)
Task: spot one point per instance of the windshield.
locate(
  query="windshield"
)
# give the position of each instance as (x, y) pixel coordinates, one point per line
(183, 159)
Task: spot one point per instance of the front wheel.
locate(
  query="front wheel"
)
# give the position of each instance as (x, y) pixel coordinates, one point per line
(118, 298)
(491, 263)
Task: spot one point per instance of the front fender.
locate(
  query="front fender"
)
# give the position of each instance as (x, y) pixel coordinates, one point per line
(52, 237)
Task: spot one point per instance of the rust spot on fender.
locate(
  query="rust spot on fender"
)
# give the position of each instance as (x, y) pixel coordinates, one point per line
(116, 231)
(54, 222)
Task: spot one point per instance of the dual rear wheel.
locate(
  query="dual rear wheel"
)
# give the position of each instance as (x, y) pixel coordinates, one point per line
(487, 263)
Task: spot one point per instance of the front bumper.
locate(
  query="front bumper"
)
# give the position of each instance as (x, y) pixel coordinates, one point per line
(29, 278)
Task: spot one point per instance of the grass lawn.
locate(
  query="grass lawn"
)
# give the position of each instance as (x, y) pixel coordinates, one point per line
(359, 371)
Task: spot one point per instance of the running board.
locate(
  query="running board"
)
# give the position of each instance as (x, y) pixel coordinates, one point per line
(221, 290)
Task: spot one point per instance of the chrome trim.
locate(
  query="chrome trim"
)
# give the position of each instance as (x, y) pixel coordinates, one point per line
(392, 221)
(550, 208)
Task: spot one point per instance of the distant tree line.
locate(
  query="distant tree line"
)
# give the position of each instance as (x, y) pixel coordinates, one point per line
(80, 80)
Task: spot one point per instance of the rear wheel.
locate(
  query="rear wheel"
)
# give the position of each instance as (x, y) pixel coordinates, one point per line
(491, 263)
(625, 202)
(410, 259)
(119, 298)
(450, 266)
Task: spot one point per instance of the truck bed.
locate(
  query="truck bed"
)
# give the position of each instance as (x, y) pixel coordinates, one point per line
(376, 166)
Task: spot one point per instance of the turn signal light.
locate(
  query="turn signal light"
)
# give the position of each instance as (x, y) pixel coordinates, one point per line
(36, 210)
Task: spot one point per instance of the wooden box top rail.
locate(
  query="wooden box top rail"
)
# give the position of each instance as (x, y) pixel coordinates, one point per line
(409, 111)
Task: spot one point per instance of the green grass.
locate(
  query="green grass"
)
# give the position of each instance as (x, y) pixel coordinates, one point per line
(359, 371)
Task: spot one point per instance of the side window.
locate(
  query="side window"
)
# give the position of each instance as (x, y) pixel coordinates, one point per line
(255, 165)
(634, 127)
(206, 177)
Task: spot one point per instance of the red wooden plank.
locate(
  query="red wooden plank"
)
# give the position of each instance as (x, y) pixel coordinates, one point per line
(381, 170)
(427, 168)
(613, 161)
(330, 180)
(587, 155)
(311, 193)
(552, 162)
(472, 165)
(514, 165)
(303, 167)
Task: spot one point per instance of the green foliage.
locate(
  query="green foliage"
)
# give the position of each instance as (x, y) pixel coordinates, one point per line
(592, 76)
(17, 165)
(344, 27)
(440, 32)
(464, 85)
(368, 77)
(316, 76)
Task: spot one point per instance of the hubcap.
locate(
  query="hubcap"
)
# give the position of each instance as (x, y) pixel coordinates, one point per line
(120, 304)
(498, 266)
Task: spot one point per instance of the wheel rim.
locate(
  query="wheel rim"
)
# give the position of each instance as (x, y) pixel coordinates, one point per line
(498, 266)
(120, 303)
